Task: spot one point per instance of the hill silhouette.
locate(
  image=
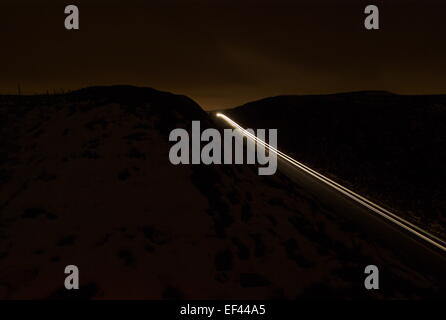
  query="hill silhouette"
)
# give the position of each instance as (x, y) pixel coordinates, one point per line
(86, 180)
(387, 146)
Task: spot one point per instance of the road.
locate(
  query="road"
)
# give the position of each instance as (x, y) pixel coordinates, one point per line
(414, 246)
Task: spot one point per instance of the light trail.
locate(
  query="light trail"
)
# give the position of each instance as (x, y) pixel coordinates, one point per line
(408, 226)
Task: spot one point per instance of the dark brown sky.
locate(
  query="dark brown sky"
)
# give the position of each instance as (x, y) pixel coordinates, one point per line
(225, 52)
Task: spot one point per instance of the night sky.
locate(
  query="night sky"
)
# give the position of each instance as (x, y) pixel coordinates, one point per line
(224, 53)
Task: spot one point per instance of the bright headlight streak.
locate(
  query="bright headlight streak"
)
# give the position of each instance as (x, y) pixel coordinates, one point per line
(415, 230)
